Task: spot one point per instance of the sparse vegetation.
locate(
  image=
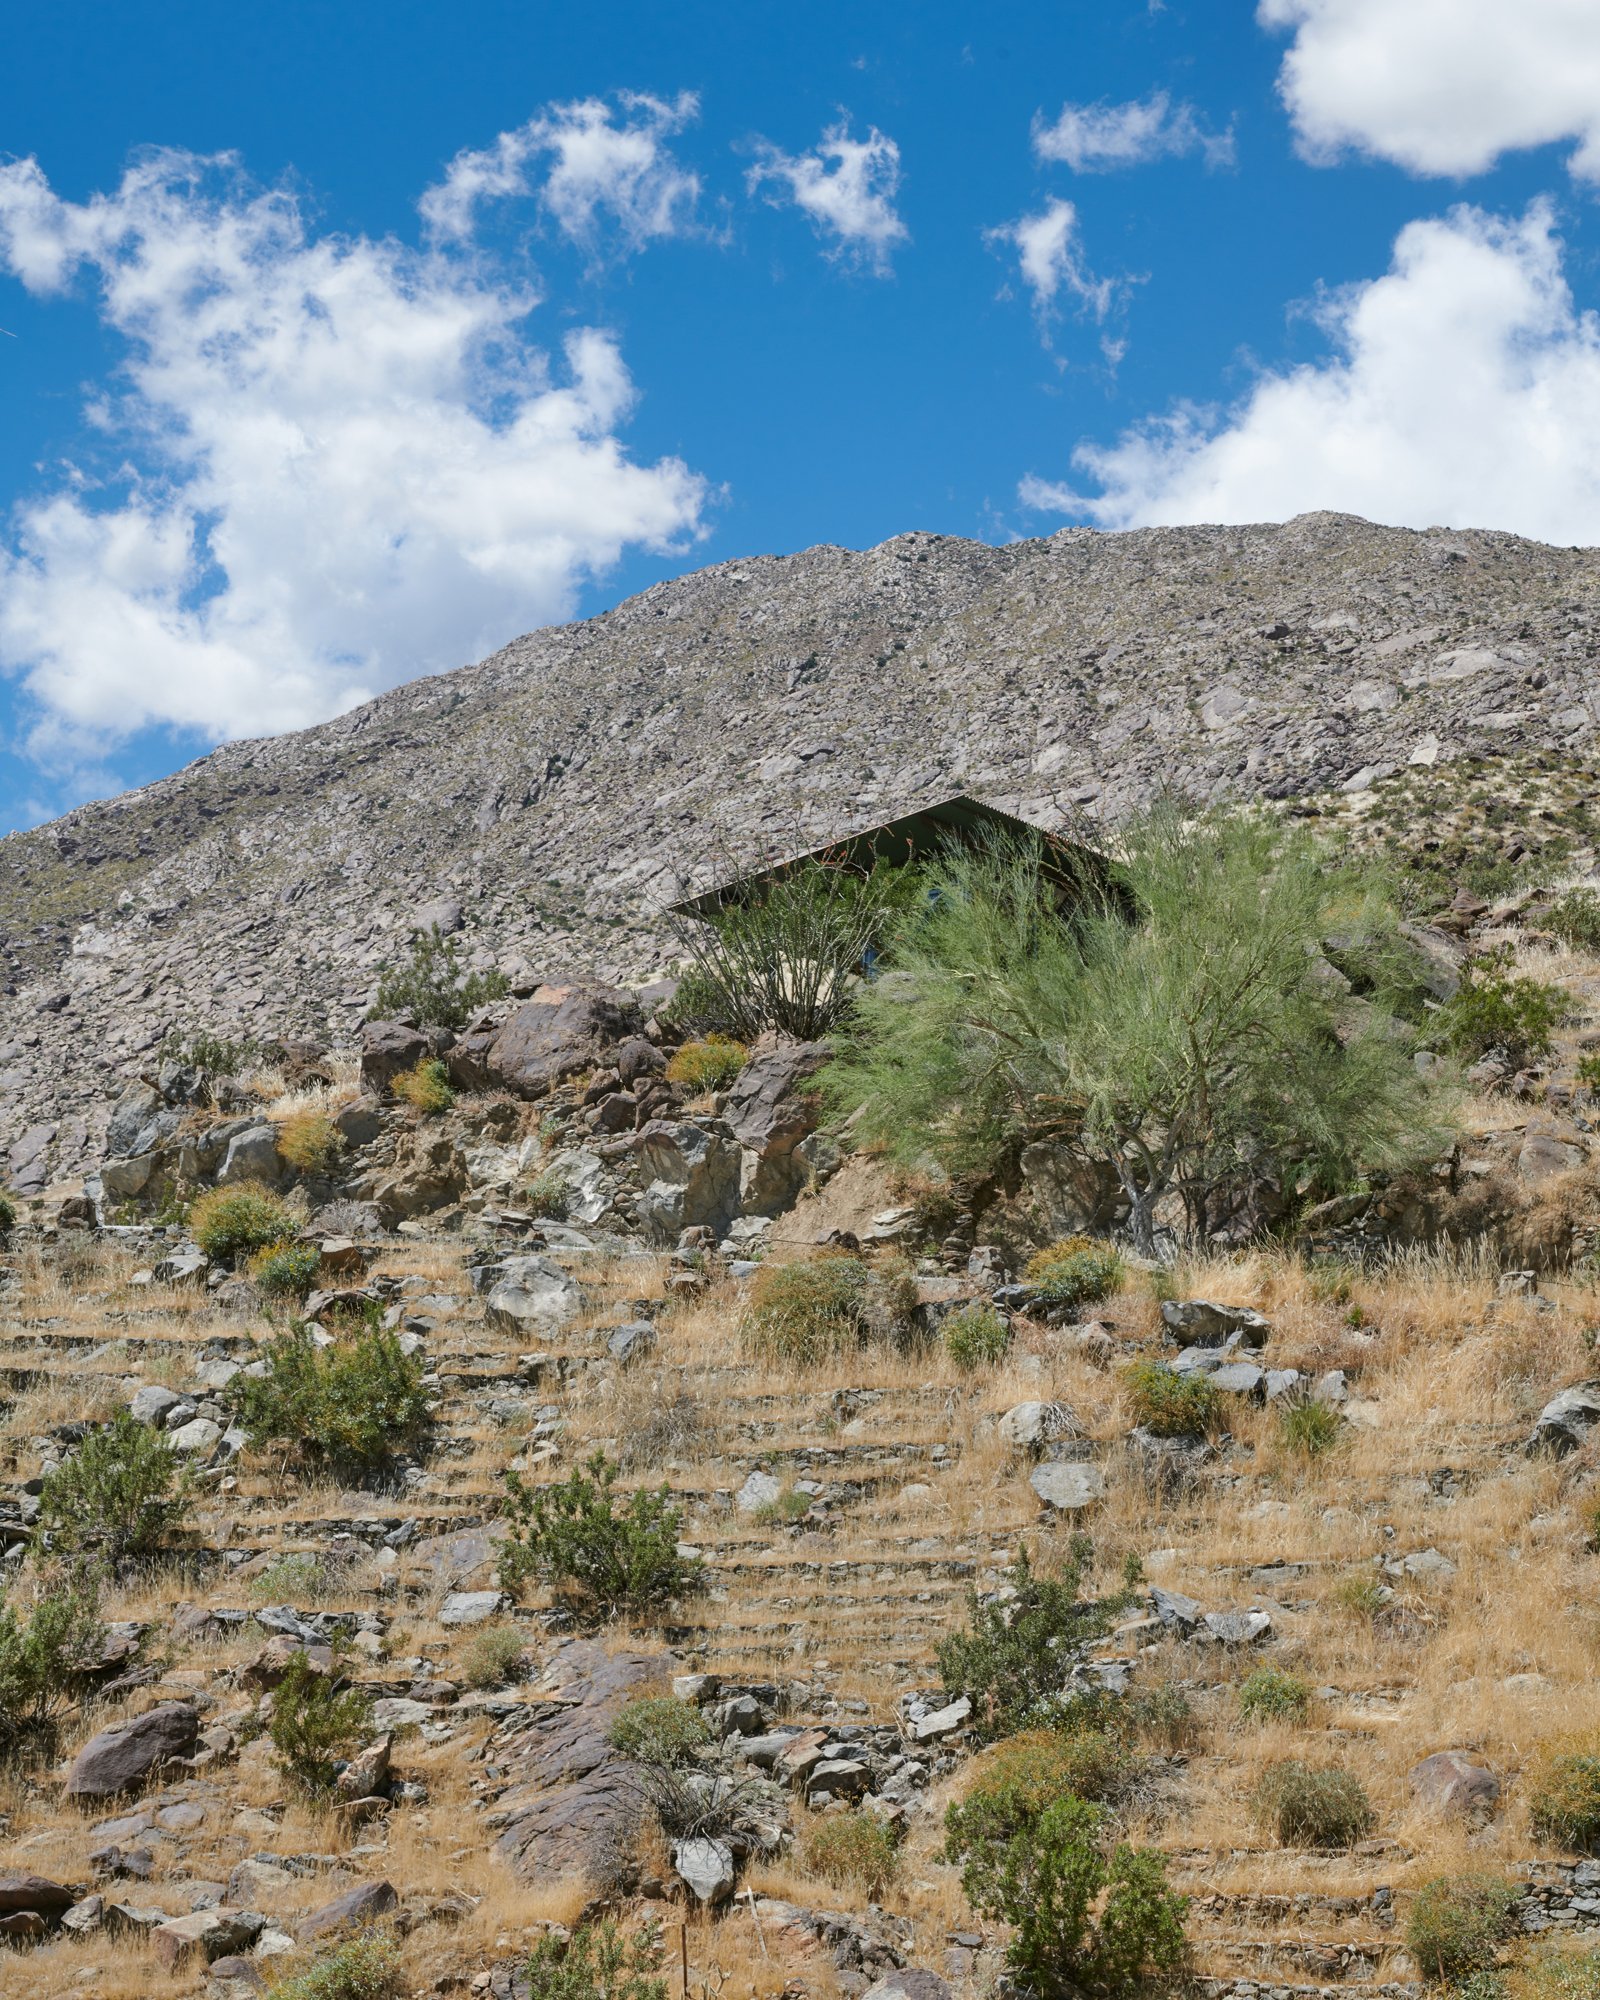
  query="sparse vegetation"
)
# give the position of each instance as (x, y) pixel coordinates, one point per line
(659, 1729)
(368, 1967)
(1271, 1695)
(426, 1088)
(976, 1336)
(1075, 1273)
(1498, 1011)
(240, 1216)
(214, 1056)
(1018, 1781)
(433, 986)
(44, 1663)
(352, 1405)
(548, 1196)
(1168, 1404)
(8, 1217)
(1307, 1805)
(609, 1558)
(1563, 1792)
(1456, 1924)
(286, 1270)
(1307, 1428)
(1574, 919)
(802, 1313)
(119, 1496)
(711, 1064)
(309, 1140)
(318, 1722)
(853, 1851)
(493, 1657)
(596, 1963)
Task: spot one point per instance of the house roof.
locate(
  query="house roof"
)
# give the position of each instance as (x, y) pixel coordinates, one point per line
(960, 818)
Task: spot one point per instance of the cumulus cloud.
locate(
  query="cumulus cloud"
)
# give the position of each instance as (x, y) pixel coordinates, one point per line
(846, 186)
(1097, 138)
(1049, 255)
(327, 464)
(1441, 86)
(589, 163)
(1463, 388)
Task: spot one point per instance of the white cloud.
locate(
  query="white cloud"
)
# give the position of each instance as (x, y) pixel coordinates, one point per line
(847, 187)
(1441, 86)
(1050, 257)
(1095, 138)
(343, 465)
(586, 161)
(1463, 389)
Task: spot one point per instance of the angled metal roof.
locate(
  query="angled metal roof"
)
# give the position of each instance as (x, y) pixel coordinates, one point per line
(960, 818)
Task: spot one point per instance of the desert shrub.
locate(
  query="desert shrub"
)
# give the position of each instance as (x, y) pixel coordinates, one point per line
(1456, 1923)
(350, 1406)
(1163, 1715)
(803, 1313)
(119, 1495)
(492, 1657)
(1167, 1031)
(241, 1216)
(1307, 1805)
(790, 1506)
(286, 1270)
(596, 1963)
(548, 1196)
(296, 1577)
(1307, 1427)
(1496, 1009)
(576, 1537)
(659, 1729)
(1018, 1650)
(8, 1217)
(1552, 1974)
(1168, 1404)
(44, 1661)
(426, 1088)
(433, 986)
(1563, 1792)
(672, 1426)
(1360, 1594)
(213, 1055)
(1017, 1784)
(366, 1968)
(708, 1065)
(1587, 1072)
(1075, 1272)
(1270, 1695)
(976, 1336)
(1047, 1881)
(309, 1140)
(852, 1851)
(1574, 918)
(318, 1722)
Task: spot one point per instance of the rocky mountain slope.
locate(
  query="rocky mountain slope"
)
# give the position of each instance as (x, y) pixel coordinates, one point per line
(551, 799)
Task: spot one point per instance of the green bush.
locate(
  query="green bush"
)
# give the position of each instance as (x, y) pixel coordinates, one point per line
(1588, 1074)
(596, 1963)
(241, 1216)
(548, 1196)
(492, 1657)
(1075, 1273)
(119, 1496)
(1310, 1806)
(1018, 1783)
(1170, 1405)
(1163, 1715)
(609, 1558)
(1552, 1974)
(433, 986)
(1563, 1791)
(44, 1662)
(1574, 918)
(318, 1723)
(426, 1088)
(1047, 1881)
(1307, 1428)
(295, 1577)
(350, 1406)
(790, 1506)
(1456, 1923)
(8, 1217)
(659, 1729)
(367, 1968)
(1498, 1010)
(310, 1141)
(286, 1270)
(976, 1336)
(212, 1055)
(1361, 1594)
(1270, 1695)
(804, 1313)
(1016, 1656)
(709, 1065)
(852, 1851)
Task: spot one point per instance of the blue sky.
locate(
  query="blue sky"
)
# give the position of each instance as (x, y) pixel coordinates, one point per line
(342, 345)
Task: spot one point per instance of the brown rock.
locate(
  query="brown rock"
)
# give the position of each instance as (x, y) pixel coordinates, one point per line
(356, 1908)
(388, 1047)
(34, 1892)
(270, 1665)
(365, 1776)
(561, 1030)
(23, 1926)
(1451, 1782)
(205, 1935)
(119, 1759)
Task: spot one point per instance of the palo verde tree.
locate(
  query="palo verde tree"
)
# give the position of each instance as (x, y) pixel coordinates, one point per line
(1179, 1036)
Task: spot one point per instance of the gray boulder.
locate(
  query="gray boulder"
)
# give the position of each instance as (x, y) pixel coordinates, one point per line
(138, 1105)
(1239, 1378)
(356, 1909)
(769, 1113)
(1205, 1323)
(692, 1176)
(910, 1982)
(1066, 1487)
(122, 1757)
(1026, 1425)
(472, 1607)
(204, 1935)
(706, 1866)
(532, 1293)
(1565, 1420)
(252, 1155)
(150, 1404)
